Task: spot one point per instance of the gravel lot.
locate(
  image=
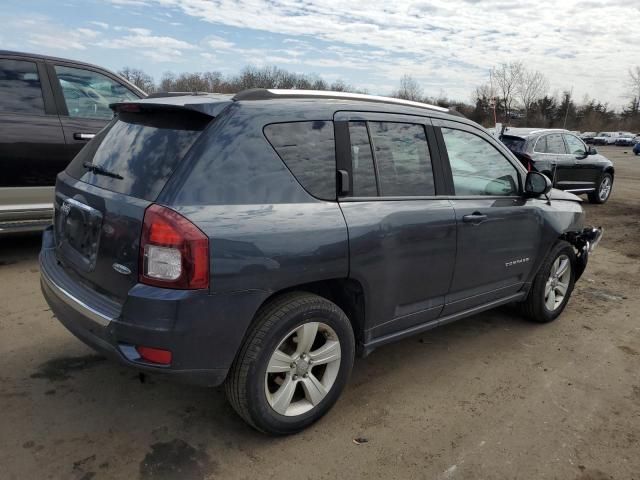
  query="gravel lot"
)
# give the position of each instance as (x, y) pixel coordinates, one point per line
(488, 397)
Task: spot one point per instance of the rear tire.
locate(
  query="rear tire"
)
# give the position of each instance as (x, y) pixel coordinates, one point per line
(552, 286)
(293, 365)
(603, 191)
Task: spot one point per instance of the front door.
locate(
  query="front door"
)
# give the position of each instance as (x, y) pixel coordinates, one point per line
(402, 236)
(498, 231)
(83, 97)
(32, 147)
(585, 172)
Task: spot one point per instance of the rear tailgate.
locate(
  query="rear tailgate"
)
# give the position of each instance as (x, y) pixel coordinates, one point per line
(101, 198)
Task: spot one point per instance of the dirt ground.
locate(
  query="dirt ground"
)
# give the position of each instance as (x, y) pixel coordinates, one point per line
(492, 396)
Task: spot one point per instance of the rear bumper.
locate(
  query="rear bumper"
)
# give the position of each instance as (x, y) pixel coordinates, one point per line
(194, 325)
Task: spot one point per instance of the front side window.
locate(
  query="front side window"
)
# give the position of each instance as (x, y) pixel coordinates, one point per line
(403, 159)
(308, 149)
(575, 145)
(20, 90)
(478, 168)
(88, 94)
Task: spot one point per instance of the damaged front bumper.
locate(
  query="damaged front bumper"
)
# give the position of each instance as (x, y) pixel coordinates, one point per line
(585, 242)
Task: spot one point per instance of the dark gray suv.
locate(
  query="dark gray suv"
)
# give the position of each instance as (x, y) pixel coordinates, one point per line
(265, 239)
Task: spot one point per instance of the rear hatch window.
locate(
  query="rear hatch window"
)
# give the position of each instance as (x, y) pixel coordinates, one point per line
(515, 144)
(138, 151)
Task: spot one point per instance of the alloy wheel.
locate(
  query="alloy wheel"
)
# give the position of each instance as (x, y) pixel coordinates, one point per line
(302, 369)
(557, 285)
(605, 188)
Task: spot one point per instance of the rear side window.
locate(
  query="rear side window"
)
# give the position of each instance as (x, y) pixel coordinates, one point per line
(88, 94)
(20, 90)
(308, 149)
(551, 144)
(138, 151)
(515, 144)
(402, 157)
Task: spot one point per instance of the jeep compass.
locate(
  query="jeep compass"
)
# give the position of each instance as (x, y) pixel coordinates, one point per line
(263, 240)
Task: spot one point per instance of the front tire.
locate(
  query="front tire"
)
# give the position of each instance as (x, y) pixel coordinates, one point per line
(552, 286)
(603, 192)
(293, 365)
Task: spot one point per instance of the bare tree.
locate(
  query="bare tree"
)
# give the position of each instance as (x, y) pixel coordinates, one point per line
(634, 82)
(532, 86)
(505, 79)
(138, 78)
(409, 89)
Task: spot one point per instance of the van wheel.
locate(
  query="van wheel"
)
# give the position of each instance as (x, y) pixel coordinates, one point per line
(552, 286)
(603, 191)
(293, 365)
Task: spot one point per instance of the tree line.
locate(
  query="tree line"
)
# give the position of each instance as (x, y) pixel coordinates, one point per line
(513, 95)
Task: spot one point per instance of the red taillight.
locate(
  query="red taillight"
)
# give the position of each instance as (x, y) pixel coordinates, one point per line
(154, 355)
(174, 253)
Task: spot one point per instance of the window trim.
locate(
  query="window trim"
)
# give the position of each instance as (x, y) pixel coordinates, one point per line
(500, 148)
(344, 152)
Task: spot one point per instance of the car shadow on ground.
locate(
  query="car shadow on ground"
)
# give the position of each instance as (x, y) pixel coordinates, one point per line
(16, 248)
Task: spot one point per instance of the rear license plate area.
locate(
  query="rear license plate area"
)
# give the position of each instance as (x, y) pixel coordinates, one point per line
(78, 229)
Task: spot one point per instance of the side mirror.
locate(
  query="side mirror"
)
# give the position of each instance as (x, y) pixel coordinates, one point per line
(592, 151)
(537, 184)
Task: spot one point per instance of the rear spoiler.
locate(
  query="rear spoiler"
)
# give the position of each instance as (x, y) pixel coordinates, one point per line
(207, 104)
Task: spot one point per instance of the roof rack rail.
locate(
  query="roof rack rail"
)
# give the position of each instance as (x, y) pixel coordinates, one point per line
(176, 94)
(271, 93)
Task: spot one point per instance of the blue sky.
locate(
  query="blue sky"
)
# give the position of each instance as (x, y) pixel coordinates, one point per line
(449, 46)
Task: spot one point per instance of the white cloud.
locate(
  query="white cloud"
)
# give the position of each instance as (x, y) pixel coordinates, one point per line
(218, 43)
(103, 25)
(448, 44)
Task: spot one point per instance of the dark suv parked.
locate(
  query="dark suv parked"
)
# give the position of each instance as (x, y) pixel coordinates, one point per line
(49, 109)
(564, 157)
(262, 240)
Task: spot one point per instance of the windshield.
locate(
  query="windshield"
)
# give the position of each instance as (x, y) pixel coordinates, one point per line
(137, 152)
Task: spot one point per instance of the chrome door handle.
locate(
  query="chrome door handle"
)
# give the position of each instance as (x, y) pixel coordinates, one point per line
(83, 136)
(475, 217)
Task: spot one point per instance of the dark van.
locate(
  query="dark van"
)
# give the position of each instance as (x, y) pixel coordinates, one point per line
(49, 109)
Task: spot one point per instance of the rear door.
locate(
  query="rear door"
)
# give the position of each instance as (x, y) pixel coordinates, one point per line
(83, 96)
(498, 231)
(99, 214)
(32, 147)
(401, 234)
(586, 171)
(553, 150)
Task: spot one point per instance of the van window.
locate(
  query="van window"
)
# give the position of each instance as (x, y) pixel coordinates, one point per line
(88, 94)
(20, 90)
(402, 158)
(308, 149)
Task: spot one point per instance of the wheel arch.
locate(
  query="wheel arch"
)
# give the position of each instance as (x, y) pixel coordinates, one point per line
(346, 293)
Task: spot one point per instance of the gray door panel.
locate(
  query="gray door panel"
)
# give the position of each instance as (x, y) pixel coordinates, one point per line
(495, 255)
(402, 251)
